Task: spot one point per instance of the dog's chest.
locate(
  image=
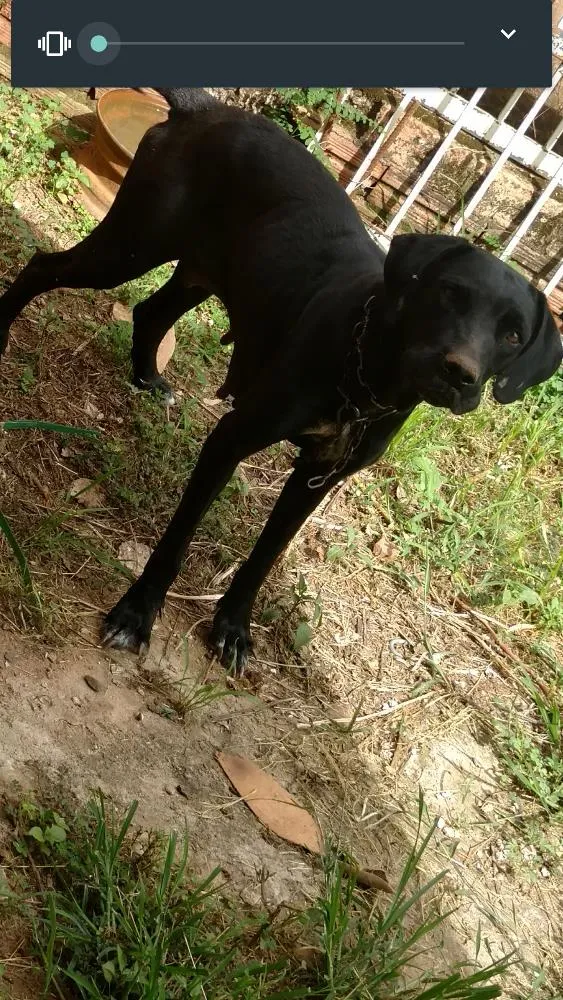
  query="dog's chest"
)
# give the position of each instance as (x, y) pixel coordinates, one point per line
(329, 441)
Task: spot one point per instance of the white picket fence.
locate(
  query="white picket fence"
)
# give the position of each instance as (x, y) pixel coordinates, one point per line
(511, 144)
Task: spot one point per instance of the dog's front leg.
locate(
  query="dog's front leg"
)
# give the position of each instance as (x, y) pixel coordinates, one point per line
(128, 625)
(230, 635)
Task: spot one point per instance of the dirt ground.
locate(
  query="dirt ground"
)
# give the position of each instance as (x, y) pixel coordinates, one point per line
(420, 678)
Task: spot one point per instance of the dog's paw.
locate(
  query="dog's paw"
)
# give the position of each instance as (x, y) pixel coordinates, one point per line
(128, 626)
(230, 641)
(158, 386)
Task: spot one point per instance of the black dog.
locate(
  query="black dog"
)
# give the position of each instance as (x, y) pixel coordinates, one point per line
(334, 344)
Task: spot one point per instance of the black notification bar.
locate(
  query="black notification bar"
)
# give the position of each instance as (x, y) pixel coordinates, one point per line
(505, 43)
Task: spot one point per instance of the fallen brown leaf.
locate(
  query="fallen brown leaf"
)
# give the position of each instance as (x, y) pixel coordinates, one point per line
(309, 957)
(271, 803)
(86, 494)
(385, 550)
(165, 350)
(121, 313)
(368, 878)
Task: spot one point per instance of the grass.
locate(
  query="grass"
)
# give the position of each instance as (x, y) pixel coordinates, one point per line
(116, 914)
(5, 527)
(482, 495)
(188, 694)
(532, 754)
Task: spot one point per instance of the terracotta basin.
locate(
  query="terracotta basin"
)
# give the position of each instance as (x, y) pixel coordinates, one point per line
(123, 118)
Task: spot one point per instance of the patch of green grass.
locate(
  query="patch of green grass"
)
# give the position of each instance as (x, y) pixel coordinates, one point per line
(533, 756)
(532, 749)
(536, 846)
(483, 496)
(115, 338)
(538, 770)
(117, 914)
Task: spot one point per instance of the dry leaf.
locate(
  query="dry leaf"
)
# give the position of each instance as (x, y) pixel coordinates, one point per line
(85, 493)
(271, 803)
(165, 350)
(401, 493)
(385, 550)
(369, 878)
(134, 555)
(121, 313)
(92, 411)
(309, 957)
(314, 549)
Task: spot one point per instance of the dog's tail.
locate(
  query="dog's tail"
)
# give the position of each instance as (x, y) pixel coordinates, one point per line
(188, 100)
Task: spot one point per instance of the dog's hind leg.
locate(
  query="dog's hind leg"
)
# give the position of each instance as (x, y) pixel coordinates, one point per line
(151, 320)
(144, 227)
(100, 261)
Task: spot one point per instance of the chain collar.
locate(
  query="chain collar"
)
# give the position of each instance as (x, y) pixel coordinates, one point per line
(349, 412)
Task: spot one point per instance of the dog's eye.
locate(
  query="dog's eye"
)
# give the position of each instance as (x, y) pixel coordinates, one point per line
(513, 338)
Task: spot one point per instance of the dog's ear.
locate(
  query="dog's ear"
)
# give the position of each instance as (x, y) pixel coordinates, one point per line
(539, 359)
(411, 255)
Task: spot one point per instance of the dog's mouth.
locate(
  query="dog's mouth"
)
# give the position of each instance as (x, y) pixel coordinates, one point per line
(446, 397)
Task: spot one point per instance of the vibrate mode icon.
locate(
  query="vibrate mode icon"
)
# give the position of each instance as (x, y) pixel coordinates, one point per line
(54, 43)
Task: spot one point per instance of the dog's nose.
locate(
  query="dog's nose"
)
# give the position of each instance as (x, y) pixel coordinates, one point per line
(461, 371)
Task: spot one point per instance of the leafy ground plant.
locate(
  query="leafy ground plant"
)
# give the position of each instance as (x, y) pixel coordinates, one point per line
(112, 918)
(532, 756)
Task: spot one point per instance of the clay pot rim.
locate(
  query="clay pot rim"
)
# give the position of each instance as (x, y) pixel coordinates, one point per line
(151, 98)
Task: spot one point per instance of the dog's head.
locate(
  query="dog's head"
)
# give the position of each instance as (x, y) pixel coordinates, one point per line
(462, 317)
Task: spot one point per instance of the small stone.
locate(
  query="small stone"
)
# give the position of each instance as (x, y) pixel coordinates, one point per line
(94, 683)
(139, 717)
(168, 790)
(76, 701)
(545, 872)
(134, 555)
